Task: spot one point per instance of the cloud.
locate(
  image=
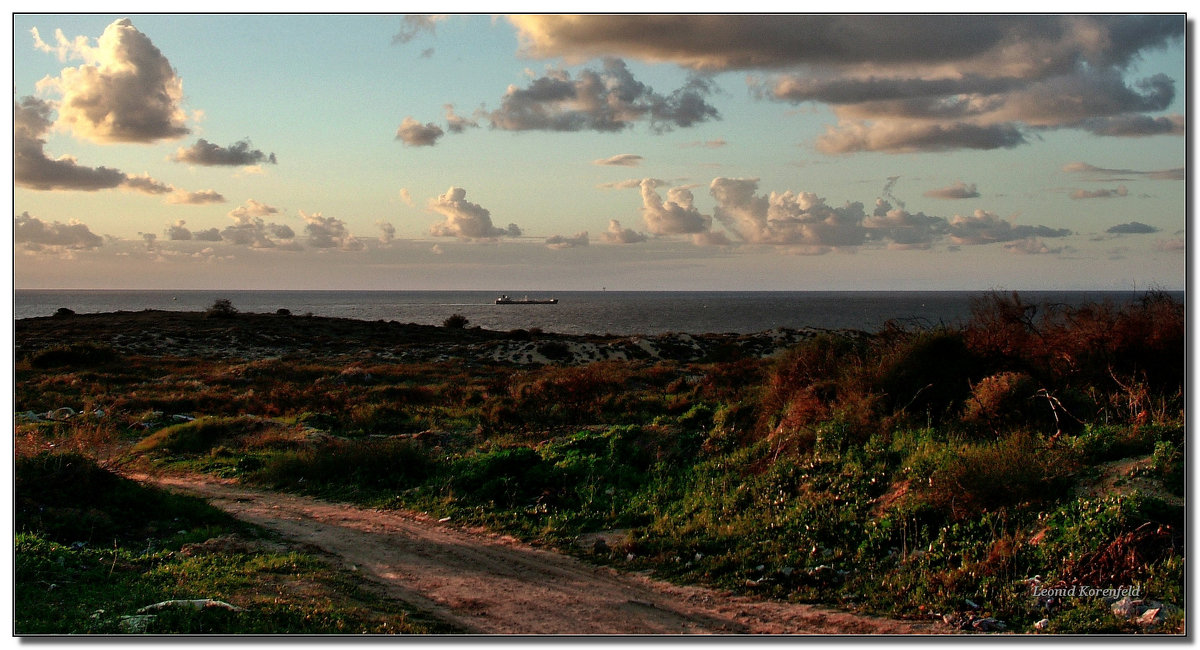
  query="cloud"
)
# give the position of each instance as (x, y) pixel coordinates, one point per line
(1170, 245)
(787, 218)
(146, 185)
(1177, 174)
(707, 144)
(1135, 126)
(251, 209)
(903, 230)
(457, 123)
(387, 232)
(249, 229)
(33, 169)
(1100, 194)
(621, 160)
(203, 197)
(329, 232)
(560, 242)
(38, 235)
(985, 227)
(959, 190)
(901, 136)
(606, 101)
(406, 195)
(711, 238)
(629, 184)
(415, 25)
(618, 235)
(415, 134)
(178, 231)
(1008, 44)
(209, 154)
(466, 220)
(676, 215)
(1031, 246)
(126, 91)
(1131, 228)
(985, 82)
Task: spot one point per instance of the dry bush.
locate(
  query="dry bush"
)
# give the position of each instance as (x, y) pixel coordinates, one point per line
(1013, 399)
(927, 374)
(1084, 346)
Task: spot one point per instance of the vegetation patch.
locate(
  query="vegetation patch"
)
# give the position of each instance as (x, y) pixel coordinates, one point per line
(929, 473)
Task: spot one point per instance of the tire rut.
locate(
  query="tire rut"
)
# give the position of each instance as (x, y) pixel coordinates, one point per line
(485, 583)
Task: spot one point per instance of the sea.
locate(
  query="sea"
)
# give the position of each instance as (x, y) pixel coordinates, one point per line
(577, 312)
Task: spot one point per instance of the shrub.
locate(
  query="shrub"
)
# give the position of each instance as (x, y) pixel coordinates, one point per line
(455, 322)
(221, 308)
(503, 476)
(375, 464)
(63, 312)
(927, 373)
(74, 354)
(69, 498)
(965, 479)
(1003, 399)
(283, 311)
(199, 435)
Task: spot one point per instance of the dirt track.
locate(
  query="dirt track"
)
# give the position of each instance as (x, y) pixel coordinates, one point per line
(490, 584)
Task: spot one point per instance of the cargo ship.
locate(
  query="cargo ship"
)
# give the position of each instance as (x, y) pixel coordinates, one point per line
(506, 300)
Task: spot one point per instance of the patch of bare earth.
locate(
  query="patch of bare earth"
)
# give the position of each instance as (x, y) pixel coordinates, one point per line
(484, 583)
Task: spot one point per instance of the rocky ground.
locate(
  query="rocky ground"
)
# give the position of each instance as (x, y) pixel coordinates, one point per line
(259, 336)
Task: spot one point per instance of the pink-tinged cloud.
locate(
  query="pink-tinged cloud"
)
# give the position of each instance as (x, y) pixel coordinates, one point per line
(620, 160)
(414, 134)
(985, 227)
(33, 169)
(37, 235)
(618, 235)
(251, 230)
(329, 232)
(202, 197)
(985, 82)
(1118, 192)
(560, 242)
(126, 91)
(676, 215)
(608, 100)
(239, 154)
(466, 220)
(959, 190)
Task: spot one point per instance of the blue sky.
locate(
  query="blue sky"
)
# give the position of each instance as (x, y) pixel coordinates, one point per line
(647, 152)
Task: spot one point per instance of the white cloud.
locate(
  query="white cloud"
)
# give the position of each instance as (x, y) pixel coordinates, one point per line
(676, 215)
(466, 220)
(126, 91)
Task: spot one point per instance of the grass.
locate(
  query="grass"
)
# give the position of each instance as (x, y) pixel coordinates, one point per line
(916, 473)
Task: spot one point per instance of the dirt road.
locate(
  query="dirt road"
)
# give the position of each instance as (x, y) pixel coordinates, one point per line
(491, 584)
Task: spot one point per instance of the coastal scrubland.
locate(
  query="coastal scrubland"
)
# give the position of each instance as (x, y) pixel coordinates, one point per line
(1021, 472)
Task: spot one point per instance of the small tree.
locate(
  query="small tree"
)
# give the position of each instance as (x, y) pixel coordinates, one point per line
(456, 322)
(221, 308)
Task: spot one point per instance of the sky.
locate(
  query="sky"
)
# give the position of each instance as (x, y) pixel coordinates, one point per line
(627, 152)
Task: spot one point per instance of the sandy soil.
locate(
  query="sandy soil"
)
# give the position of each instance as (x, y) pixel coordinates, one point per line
(485, 583)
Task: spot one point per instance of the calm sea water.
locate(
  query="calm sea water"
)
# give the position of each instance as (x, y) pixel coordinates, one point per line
(590, 312)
